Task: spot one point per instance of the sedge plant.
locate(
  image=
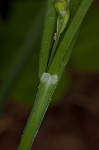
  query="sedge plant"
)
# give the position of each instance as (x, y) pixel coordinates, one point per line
(62, 16)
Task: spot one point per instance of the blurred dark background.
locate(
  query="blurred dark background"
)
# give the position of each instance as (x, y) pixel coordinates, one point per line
(72, 121)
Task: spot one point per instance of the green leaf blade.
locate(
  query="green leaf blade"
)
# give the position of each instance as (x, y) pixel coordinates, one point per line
(72, 30)
(47, 37)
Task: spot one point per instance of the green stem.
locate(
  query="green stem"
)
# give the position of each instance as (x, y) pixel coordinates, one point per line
(45, 91)
(48, 83)
(41, 104)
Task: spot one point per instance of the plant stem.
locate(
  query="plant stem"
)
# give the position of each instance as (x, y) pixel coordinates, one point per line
(46, 88)
(40, 106)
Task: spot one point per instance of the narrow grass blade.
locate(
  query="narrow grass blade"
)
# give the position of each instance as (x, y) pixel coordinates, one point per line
(72, 30)
(74, 4)
(47, 37)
